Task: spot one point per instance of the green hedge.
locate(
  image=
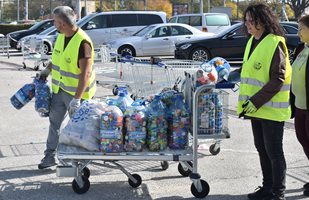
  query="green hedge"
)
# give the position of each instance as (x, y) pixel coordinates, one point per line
(7, 28)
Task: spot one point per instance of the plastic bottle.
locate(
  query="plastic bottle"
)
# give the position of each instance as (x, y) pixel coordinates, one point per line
(23, 96)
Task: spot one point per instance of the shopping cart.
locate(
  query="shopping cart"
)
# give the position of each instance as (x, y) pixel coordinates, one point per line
(74, 161)
(4, 46)
(33, 49)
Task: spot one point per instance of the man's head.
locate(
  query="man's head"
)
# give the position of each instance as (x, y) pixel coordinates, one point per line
(64, 19)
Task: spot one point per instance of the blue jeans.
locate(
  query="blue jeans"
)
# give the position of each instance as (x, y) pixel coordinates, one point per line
(268, 140)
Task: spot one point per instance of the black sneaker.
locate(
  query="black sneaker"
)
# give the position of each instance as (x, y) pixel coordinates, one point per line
(306, 192)
(306, 186)
(46, 162)
(260, 193)
(275, 197)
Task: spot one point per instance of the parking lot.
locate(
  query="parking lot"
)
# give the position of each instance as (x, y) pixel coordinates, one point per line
(231, 174)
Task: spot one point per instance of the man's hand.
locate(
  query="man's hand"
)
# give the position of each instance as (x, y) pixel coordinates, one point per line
(249, 107)
(73, 106)
(43, 74)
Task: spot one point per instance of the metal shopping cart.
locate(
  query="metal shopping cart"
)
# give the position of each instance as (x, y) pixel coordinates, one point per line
(4, 46)
(150, 79)
(33, 49)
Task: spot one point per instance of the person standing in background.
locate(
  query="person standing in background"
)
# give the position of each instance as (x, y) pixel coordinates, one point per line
(300, 89)
(264, 96)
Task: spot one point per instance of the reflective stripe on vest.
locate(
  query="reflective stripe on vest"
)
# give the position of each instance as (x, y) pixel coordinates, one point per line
(65, 71)
(255, 75)
(252, 81)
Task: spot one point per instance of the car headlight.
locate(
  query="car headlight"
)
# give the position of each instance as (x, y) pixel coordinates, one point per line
(185, 46)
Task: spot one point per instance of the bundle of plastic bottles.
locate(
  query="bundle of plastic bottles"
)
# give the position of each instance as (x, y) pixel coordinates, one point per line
(210, 114)
(178, 118)
(135, 127)
(23, 96)
(222, 67)
(111, 136)
(123, 100)
(42, 97)
(156, 125)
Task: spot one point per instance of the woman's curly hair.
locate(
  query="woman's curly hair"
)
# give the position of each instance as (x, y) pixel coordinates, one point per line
(261, 13)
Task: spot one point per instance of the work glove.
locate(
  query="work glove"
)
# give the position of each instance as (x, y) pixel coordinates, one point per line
(73, 106)
(249, 107)
(43, 74)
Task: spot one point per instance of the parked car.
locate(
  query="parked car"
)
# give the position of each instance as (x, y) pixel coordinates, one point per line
(106, 26)
(157, 39)
(15, 36)
(229, 44)
(207, 22)
(48, 37)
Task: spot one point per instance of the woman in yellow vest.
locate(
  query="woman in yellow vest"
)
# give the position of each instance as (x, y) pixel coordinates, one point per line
(73, 78)
(300, 89)
(264, 96)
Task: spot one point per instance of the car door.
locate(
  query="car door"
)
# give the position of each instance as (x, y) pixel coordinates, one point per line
(232, 45)
(97, 29)
(179, 34)
(158, 42)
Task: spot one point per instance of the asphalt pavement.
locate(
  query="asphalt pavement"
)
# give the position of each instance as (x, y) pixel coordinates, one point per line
(231, 174)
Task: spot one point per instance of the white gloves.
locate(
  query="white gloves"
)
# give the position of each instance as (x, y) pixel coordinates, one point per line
(73, 106)
(44, 73)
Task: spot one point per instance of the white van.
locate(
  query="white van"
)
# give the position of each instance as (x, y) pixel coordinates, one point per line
(105, 26)
(207, 22)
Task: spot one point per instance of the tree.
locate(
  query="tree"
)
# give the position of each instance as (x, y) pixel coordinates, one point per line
(298, 6)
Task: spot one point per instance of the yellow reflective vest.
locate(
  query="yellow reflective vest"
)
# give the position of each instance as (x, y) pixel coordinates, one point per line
(255, 74)
(65, 70)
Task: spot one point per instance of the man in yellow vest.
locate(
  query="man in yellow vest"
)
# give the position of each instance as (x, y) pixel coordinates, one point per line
(73, 78)
(264, 96)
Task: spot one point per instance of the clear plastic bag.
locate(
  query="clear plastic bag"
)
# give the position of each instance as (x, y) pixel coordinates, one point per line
(42, 97)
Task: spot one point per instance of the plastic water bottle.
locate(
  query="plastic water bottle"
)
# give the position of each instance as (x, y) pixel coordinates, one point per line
(23, 96)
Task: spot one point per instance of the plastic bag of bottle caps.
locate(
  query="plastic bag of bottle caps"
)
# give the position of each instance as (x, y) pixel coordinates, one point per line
(123, 100)
(156, 125)
(222, 67)
(178, 122)
(23, 96)
(42, 97)
(205, 75)
(211, 114)
(111, 137)
(135, 127)
(168, 97)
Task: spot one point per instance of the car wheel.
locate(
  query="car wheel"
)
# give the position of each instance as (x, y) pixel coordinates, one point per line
(46, 48)
(125, 50)
(200, 54)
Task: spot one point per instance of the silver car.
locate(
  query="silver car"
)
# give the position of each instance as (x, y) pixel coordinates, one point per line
(157, 39)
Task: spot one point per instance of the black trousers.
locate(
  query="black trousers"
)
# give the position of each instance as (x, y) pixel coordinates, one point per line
(268, 140)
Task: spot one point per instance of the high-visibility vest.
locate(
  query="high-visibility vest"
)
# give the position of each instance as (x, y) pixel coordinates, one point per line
(255, 74)
(65, 70)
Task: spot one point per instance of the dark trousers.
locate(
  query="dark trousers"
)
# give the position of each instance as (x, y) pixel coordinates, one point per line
(268, 139)
(302, 129)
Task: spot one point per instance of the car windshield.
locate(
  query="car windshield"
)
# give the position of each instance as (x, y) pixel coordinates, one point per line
(143, 31)
(45, 32)
(81, 22)
(36, 25)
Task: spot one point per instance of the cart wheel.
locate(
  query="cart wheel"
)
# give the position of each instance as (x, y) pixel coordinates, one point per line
(203, 193)
(81, 190)
(138, 179)
(213, 150)
(24, 65)
(36, 68)
(185, 172)
(86, 172)
(164, 165)
(115, 90)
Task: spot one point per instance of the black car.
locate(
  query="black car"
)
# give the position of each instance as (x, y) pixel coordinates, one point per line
(35, 29)
(229, 44)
